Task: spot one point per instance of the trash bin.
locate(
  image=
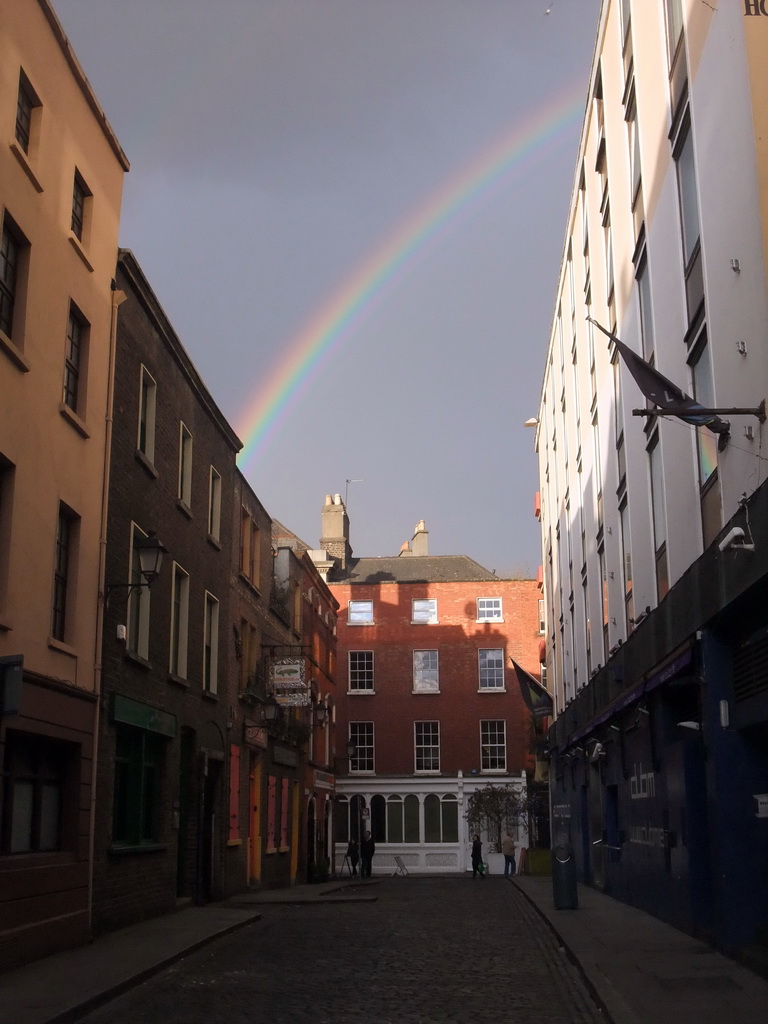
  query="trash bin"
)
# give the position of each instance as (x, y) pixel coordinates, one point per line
(564, 877)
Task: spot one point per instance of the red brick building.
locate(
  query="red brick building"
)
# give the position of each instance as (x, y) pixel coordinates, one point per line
(426, 694)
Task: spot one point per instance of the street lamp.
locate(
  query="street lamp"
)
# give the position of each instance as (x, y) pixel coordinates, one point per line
(321, 713)
(270, 709)
(150, 551)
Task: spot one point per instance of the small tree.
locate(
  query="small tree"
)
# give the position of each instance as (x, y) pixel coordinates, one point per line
(495, 809)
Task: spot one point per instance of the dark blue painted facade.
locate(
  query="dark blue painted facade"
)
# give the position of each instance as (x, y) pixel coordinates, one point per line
(654, 773)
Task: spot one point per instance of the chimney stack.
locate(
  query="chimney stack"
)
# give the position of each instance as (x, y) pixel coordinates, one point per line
(419, 543)
(335, 531)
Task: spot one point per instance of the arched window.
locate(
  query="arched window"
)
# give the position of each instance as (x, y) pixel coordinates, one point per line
(357, 826)
(378, 819)
(394, 819)
(411, 819)
(449, 815)
(341, 819)
(441, 819)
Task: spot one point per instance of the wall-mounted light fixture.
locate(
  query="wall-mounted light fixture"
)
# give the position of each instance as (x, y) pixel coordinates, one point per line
(150, 551)
(270, 709)
(321, 713)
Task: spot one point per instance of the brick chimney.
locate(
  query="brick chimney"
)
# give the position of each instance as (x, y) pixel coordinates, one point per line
(335, 531)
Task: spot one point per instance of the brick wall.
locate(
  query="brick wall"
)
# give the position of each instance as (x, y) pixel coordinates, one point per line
(458, 636)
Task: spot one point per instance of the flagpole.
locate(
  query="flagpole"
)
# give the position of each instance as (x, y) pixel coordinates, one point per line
(697, 411)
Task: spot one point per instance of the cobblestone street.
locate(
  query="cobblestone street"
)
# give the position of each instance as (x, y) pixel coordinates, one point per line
(427, 951)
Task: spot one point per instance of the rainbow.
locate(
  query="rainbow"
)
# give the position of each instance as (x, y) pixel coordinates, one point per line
(371, 282)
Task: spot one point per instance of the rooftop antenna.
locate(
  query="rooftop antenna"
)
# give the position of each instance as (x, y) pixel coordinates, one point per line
(346, 491)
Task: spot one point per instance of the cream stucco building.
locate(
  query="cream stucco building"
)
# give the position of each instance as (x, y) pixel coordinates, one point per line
(61, 177)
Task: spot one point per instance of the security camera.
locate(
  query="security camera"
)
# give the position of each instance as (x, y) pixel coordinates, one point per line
(730, 538)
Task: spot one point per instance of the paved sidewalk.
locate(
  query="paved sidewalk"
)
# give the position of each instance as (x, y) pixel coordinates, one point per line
(642, 970)
(62, 988)
(639, 969)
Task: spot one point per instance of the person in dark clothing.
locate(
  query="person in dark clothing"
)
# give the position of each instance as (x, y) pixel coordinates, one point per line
(353, 855)
(478, 868)
(367, 850)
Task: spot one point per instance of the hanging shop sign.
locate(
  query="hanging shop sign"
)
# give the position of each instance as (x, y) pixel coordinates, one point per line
(256, 736)
(288, 682)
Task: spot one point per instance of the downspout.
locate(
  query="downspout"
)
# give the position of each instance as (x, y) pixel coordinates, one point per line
(118, 298)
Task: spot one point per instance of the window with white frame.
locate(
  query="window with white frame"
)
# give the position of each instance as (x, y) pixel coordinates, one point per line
(542, 617)
(493, 745)
(185, 465)
(658, 514)
(250, 547)
(360, 613)
(491, 662)
(214, 504)
(426, 676)
(489, 609)
(690, 226)
(441, 818)
(137, 638)
(211, 645)
(427, 746)
(706, 441)
(424, 610)
(642, 277)
(147, 407)
(402, 818)
(361, 671)
(179, 622)
(361, 734)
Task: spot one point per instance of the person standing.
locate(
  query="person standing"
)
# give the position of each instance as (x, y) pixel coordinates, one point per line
(508, 849)
(353, 855)
(367, 850)
(478, 868)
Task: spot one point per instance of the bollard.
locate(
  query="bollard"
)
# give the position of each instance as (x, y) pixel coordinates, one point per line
(564, 877)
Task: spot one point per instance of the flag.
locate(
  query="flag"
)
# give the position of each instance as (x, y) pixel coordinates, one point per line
(664, 394)
(537, 699)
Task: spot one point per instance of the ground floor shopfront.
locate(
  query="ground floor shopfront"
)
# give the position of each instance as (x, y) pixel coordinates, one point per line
(659, 776)
(46, 754)
(417, 822)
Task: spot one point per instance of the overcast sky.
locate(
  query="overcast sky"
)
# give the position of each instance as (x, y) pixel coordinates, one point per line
(274, 146)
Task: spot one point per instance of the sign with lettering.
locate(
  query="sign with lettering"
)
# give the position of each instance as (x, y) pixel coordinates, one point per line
(287, 678)
(642, 785)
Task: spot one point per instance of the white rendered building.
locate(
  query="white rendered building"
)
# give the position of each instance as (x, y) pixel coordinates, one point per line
(654, 540)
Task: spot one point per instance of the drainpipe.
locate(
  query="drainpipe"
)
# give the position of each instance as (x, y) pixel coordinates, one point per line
(118, 298)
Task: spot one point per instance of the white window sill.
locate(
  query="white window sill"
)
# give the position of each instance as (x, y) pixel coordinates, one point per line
(354, 693)
(492, 689)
